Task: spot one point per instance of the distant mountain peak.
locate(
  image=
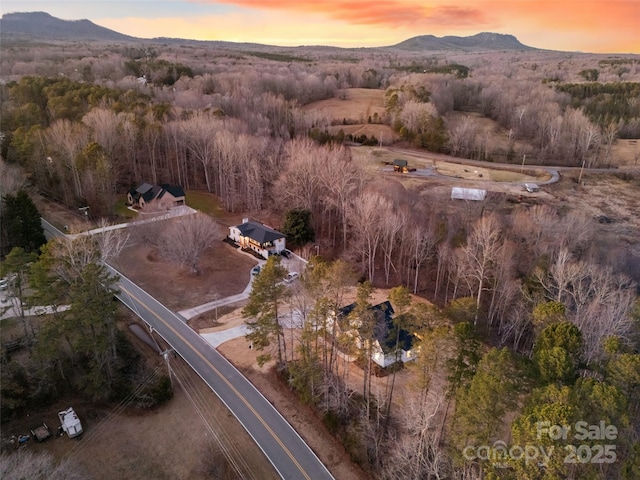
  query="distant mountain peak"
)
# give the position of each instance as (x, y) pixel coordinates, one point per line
(479, 42)
(44, 25)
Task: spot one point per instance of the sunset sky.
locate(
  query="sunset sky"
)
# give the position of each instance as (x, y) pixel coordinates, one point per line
(604, 26)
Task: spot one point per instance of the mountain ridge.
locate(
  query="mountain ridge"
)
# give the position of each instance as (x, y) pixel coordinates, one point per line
(479, 41)
(42, 25)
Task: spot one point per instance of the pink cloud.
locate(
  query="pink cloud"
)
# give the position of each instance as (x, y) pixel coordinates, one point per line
(388, 13)
(457, 16)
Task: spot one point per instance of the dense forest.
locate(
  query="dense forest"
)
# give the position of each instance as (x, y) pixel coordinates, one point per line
(533, 318)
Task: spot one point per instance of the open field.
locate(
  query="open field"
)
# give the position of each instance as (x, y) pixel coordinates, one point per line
(353, 111)
(354, 105)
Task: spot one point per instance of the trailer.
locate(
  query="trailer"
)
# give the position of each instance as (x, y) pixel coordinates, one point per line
(70, 422)
(41, 432)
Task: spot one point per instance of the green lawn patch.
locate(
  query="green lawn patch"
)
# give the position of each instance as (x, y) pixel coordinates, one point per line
(121, 208)
(205, 202)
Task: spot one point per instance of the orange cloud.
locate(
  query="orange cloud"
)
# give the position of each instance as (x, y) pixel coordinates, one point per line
(377, 12)
(608, 26)
(456, 16)
(590, 25)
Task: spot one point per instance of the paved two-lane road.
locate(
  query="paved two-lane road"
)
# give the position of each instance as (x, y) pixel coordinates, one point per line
(288, 453)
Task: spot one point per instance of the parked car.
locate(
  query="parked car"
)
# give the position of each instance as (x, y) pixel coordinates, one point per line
(4, 284)
(291, 276)
(255, 270)
(285, 253)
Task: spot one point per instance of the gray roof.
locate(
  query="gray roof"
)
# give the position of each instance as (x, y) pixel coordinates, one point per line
(175, 190)
(384, 329)
(144, 188)
(150, 192)
(259, 232)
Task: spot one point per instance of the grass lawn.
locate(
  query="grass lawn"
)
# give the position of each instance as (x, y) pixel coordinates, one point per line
(121, 208)
(197, 199)
(205, 202)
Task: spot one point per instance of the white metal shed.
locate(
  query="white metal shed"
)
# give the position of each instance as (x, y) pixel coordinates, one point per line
(458, 193)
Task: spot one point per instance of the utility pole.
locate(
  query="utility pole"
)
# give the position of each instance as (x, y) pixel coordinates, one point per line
(581, 170)
(165, 355)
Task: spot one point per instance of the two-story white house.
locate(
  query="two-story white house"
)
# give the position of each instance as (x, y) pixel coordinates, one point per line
(385, 337)
(258, 237)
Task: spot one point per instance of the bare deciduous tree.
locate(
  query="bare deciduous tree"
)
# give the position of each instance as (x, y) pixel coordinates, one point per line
(187, 238)
(416, 451)
(367, 213)
(199, 137)
(110, 241)
(597, 299)
(480, 255)
(66, 140)
(299, 185)
(609, 135)
(391, 228)
(104, 126)
(341, 181)
(72, 255)
(422, 240)
(416, 116)
(462, 137)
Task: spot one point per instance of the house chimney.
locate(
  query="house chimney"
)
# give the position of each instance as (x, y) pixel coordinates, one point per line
(245, 220)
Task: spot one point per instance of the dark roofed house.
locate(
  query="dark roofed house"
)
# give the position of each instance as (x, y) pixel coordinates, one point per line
(257, 237)
(383, 351)
(156, 197)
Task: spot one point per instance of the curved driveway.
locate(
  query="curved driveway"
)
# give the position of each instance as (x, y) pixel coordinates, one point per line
(554, 172)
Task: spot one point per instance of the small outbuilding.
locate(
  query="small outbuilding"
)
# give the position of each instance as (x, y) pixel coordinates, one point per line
(476, 194)
(400, 165)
